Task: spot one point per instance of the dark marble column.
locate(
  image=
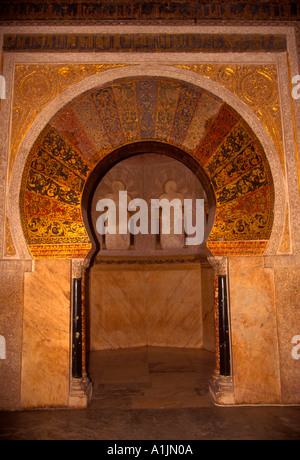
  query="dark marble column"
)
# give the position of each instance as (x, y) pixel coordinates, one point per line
(77, 329)
(224, 343)
(81, 387)
(216, 324)
(221, 385)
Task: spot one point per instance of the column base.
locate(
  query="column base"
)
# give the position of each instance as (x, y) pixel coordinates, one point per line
(221, 390)
(81, 392)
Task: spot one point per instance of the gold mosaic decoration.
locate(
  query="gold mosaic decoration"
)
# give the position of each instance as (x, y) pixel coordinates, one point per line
(237, 248)
(139, 109)
(257, 87)
(36, 86)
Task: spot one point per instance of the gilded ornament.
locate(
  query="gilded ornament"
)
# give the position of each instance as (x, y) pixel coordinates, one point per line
(257, 87)
(36, 86)
(59, 164)
(237, 248)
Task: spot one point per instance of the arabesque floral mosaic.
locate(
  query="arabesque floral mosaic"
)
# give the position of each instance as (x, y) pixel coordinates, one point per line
(133, 110)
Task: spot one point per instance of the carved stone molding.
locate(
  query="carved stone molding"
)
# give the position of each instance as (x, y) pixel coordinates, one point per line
(81, 391)
(127, 10)
(222, 390)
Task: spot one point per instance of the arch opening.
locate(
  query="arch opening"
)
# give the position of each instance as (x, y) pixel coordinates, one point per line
(135, 116)
(142, 150)
(137, 110)
(151, 307)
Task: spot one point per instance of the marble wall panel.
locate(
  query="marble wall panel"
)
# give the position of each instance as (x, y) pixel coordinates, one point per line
(117, 308)
(173, 302)
(46, 335)
(208, 314)
(11, 298)
(287, 295)
(138, 306)
(255, 355)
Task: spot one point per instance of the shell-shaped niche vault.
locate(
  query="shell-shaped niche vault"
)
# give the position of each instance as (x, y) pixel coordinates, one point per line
(138, 110)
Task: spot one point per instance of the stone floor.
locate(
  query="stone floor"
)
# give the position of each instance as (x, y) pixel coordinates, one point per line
(151, 378)
(152, 394)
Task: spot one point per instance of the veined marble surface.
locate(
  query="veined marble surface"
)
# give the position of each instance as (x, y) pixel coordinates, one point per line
(46, 335)
(157, 306)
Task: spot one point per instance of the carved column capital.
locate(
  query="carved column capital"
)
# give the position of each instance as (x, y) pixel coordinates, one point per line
(79, 267)
(219, 264)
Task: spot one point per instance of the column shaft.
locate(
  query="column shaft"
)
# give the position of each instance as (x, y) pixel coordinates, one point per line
(77, 329)
(223, 327)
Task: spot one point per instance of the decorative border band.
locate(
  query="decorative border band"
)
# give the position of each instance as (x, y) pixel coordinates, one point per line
(146, 43)
(237, 248)
(60, 251)
(129, 10)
